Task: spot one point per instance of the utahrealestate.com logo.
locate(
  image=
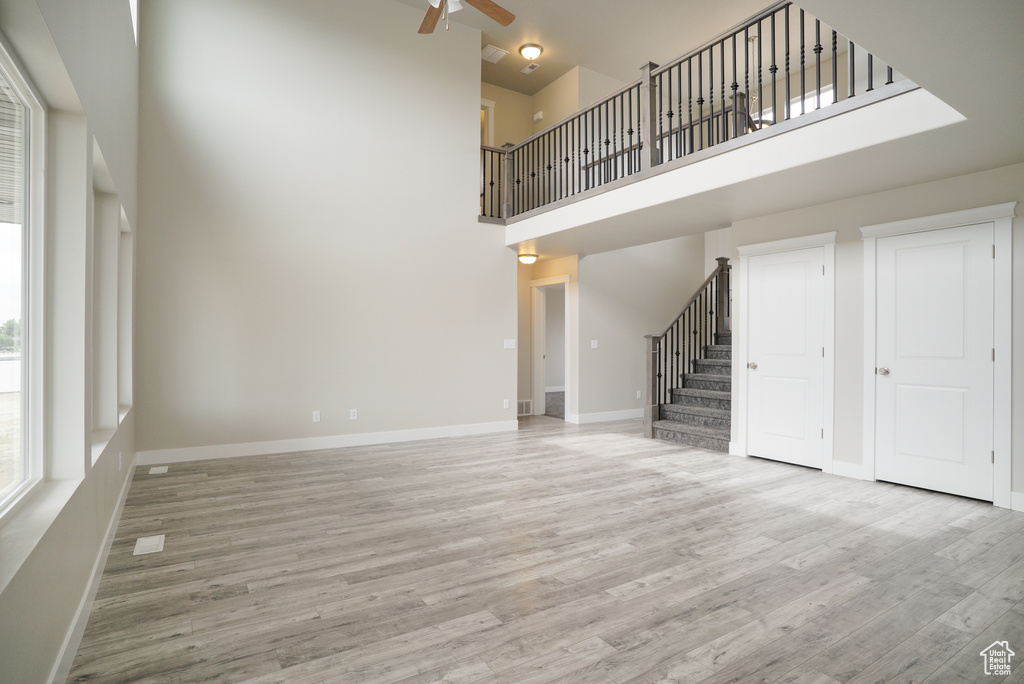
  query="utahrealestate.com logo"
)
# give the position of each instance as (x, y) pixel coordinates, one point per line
(997, 658)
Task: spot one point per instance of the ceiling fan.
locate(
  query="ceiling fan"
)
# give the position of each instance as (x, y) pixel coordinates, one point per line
(438, 7)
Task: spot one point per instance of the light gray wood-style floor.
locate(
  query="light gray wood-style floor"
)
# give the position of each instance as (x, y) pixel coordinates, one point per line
(560, 553)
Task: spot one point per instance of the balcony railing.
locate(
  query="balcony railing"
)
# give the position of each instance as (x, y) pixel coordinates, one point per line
(780, 64)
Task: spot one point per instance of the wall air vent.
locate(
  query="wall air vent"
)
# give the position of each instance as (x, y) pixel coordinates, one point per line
(492, 54)
(531, 67)
(526, 407)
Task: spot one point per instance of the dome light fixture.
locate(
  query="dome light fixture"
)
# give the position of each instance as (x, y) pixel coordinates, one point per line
(527, 258)
(531, 51)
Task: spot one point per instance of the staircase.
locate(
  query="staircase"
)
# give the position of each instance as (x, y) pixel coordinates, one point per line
(699, 414)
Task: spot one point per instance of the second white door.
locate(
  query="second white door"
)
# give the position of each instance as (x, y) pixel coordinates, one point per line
(934, 382)
(785, 356)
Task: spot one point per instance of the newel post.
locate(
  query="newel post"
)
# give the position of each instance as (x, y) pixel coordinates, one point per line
(649, 153)
(652, 410)
(722, 305)
(506, 200)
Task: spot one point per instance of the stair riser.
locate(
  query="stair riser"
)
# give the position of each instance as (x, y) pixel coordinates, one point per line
(713, 369)
(698, 441)
(718, 354)
(724, 338)
(684, 400)
(711, 382)
(680, 416)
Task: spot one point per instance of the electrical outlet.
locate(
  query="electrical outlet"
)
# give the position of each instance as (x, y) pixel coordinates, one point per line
(638, 394)
(316, 416)
(593, 344)
(506, 403)
(352, 414)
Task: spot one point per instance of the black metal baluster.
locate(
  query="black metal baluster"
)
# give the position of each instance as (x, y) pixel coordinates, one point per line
(689, 104)
(851, 58)
(871, 72)
(661, 124)
(724, 134)
(803, 83)
(623, 124)
(605, 170)
(584, 185)
(700, 97)
(835, 67)
(760, 84)
(711, 96)
(817, 63)
(773, 69)
(735, 91)
(789, 96)
(667, 148)
(746, 76)
(533, 174)
(629, 155)
(889, 74)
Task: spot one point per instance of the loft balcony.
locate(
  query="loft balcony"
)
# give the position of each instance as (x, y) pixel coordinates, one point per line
(772, 102)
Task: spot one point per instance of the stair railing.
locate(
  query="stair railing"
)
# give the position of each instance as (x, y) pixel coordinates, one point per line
(673, 353)
(778, 65)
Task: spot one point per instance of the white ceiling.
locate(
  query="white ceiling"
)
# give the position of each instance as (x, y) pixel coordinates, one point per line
(612, 38)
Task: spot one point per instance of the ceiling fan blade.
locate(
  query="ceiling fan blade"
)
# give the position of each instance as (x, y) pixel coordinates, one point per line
(495, 12)
(430, 19)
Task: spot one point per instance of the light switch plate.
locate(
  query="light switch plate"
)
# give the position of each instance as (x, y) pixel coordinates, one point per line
(510, 344)
(593, 344)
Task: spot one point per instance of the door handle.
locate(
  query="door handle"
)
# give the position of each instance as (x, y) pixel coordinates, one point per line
(883, 371)
(752, 365)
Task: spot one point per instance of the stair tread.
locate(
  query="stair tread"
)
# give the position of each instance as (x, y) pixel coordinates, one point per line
(676, 426)
(703, 393)
(697, 410)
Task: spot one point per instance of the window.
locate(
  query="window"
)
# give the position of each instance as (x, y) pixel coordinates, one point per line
(17, 469)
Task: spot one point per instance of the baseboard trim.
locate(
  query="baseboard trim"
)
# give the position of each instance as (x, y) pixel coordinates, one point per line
(847, 469)
(62, 668)
(283, 446)
(1017, 501)
(607, 416)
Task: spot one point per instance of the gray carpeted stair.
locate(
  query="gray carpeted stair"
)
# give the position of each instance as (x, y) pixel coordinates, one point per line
(700, 412)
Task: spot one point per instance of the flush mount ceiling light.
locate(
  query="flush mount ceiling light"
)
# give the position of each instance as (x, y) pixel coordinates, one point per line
(527, 258)
(531, 51)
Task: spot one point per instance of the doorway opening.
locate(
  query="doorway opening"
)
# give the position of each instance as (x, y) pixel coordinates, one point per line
(550, 347)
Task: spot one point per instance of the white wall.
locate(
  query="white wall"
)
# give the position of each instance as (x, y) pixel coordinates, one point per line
(513, 114)
(846, 217)
(308, 227)
(624, 295)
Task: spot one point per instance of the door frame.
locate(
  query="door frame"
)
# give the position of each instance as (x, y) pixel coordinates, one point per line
(1001, 215)
(538, 310)
(741, 343)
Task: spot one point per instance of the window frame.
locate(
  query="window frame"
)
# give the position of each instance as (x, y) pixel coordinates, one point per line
(33, 273)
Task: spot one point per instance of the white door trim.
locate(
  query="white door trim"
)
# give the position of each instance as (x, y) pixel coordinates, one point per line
(537, 373)
(1001, 215)
(738, 447)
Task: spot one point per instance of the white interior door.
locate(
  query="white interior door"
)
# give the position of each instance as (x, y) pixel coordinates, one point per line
(785, 356)
(934, 377)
